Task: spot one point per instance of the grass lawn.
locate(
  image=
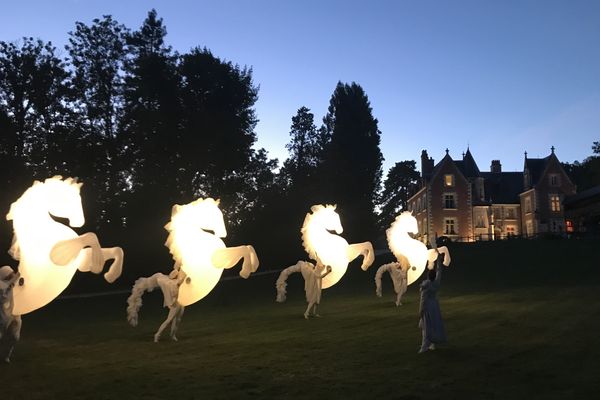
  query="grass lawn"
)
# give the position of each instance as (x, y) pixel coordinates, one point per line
(522, 318)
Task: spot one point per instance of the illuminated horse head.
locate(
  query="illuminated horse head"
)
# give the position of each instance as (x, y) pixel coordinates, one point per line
(194, 241)
(48, 251)
(321, 240)
(404, 246)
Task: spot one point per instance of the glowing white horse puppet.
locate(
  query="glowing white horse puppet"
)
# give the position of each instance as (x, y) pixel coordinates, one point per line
(412, 255)
(194, 241)
(49, 252)
(327, 249)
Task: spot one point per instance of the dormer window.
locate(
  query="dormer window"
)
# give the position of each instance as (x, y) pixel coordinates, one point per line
(449, 180)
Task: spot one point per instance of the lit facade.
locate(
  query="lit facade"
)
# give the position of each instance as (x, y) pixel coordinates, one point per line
(459, 201)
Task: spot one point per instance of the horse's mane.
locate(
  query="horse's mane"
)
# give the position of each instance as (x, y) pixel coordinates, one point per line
(15, 249)
(171, 242)
(392, 230)
(309, 247)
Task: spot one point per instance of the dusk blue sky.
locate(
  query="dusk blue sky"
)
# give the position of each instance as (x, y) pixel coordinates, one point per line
(502, 77)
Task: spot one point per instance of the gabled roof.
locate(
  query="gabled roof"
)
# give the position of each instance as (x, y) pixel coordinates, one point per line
(503, 187)
(467, 167)
(438, 166)
(536, 167)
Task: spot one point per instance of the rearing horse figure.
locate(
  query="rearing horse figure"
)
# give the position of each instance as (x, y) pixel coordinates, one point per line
(49, 252)
(412, 255)
(194, 241)
(322, 243)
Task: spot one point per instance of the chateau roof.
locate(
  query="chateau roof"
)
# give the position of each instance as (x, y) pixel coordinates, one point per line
(503, 187)
(536, 167)
(468, 166)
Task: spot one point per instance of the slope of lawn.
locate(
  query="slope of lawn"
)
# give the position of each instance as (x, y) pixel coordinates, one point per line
(522, 319)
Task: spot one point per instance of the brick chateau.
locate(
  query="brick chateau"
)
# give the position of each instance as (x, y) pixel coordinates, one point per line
(461, 202)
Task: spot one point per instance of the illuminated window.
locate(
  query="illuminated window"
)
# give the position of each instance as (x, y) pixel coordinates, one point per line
(570, 226)
(449, 180)
(449, 201)
(510, 230)
(449, 226)
(555, 202)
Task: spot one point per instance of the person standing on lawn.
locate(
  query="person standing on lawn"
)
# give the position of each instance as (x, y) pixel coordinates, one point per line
(430, 315)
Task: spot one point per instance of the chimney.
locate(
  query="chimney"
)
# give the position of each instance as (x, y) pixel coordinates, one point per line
(496, 166)
(426, 165)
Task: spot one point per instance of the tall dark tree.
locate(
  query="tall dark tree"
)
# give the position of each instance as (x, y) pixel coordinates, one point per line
(585, 174)
(217, 125)
(97, 55)
(32, 96)
(398, 186)
(304, 146)
(352, 166)
(150, 125)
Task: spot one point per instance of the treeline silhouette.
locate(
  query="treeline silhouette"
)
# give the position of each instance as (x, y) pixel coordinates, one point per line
(145, 127)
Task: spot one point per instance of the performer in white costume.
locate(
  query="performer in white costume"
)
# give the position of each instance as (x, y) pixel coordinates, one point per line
(321, 241)
(313, 282)
(10, 324)
(194, 241)
(170, 288)
(398, 272)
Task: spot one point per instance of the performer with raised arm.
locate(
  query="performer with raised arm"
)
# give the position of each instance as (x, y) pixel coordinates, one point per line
(430, 315)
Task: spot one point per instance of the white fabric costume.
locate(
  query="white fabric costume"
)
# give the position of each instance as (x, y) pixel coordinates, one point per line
(313, 283)
(398, 273)
(10, 325)
(170, 288)
(169, 285)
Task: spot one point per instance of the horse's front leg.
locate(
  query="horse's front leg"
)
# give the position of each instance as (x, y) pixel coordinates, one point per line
(433, 254)
(65, 251)
(229, 257)
(364, 249)
(113, 253)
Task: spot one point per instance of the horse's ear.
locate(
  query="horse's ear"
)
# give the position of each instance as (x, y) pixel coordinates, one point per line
(217, 202)
(77, 183)
(316, 208)
(175, 209)
(334, 206)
